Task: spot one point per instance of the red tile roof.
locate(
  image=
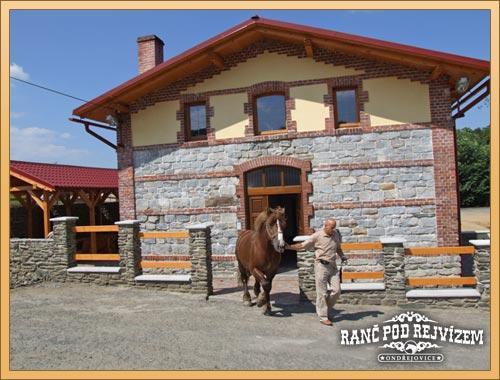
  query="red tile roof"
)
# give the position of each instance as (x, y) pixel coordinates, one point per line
(66, 176)
(466, 64)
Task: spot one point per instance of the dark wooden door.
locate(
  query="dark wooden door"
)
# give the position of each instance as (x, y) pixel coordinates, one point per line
(256, 204)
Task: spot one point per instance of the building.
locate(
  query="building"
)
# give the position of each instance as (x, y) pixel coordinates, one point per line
(47, 190)
(272, 113)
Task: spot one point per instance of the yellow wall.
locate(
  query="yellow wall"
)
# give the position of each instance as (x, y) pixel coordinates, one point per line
(229, 120)
(156, 124)
(271, 67)
(310, 112)
(396, 101)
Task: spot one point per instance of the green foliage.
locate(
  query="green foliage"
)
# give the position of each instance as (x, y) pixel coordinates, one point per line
(473, 147)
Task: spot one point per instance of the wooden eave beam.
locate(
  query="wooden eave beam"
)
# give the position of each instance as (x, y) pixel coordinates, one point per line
(22, 188)
(308, 46)
(32, 182)
(436, 72)
(216, 59)
(120, 107)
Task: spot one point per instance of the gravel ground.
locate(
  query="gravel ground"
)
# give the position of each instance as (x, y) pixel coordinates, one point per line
(83, 327)
(475, 218)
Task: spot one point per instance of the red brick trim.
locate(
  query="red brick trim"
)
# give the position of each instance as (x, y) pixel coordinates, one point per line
(320, 167)
(189, 211)
(293, 136)
(306, 187)
(374, 204)
(371, 68)
(445, 170)
(126, 192)
(373, 165)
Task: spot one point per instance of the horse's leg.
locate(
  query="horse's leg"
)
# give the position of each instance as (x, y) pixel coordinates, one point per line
(261, 277)
(247, 300)
(267, 291)
(256, 288)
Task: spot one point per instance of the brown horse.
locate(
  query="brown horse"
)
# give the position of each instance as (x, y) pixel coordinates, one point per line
(259, 254)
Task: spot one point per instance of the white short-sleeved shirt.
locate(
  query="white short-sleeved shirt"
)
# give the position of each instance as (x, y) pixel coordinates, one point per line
(325, 247)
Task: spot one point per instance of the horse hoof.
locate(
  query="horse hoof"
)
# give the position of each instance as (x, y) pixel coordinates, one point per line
(247, 303)
(261, 302)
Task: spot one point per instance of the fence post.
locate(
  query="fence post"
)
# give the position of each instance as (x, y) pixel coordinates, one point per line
(394, 271)
(482, 268)
(64, 246)
(305, 264)
(200, 250)
(129, 247)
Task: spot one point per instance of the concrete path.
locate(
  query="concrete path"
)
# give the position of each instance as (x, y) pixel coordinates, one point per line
(78, 326)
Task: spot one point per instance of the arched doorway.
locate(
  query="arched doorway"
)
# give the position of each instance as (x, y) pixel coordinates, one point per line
(273, 186)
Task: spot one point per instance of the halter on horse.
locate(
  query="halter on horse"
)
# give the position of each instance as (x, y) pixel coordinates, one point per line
(259, 254)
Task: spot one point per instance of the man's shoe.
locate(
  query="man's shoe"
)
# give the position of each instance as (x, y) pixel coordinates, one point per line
(326, 322)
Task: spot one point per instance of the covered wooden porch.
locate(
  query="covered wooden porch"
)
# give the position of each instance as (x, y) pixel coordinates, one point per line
(43, 185)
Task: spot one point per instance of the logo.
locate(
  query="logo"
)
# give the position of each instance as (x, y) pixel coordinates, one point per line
(412, 336)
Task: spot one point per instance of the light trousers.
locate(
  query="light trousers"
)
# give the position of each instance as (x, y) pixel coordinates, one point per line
(325, 299)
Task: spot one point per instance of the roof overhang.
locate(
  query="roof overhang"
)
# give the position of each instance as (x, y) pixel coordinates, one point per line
(239, 36)
(33, 182)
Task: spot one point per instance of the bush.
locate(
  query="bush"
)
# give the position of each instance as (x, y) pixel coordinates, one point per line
(473, 147)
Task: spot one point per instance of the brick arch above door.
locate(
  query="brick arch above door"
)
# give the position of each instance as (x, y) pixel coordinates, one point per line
(260, 162)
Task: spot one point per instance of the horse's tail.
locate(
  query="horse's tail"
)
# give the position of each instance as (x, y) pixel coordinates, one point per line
(240, 265)
(238, 277)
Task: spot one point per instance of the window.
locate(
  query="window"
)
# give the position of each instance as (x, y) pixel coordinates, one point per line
(196, 121)
(270, 113)
(346, 107)
(271, 176)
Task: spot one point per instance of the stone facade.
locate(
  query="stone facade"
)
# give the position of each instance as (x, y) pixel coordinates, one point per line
(397, 267)
(375, 184)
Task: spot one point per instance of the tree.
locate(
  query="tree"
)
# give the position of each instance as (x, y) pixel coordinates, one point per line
(473, 147)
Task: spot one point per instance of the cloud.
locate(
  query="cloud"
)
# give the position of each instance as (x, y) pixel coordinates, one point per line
(17, 71)
(65, 135)
(17, 115)
(42, 145)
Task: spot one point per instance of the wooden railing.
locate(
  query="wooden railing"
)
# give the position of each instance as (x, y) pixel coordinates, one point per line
(153, 264)
(438, 251)
(361, 246)
(440, 281)
(93, 255)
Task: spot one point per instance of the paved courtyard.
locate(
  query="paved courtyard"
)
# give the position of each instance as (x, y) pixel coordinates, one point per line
(83, 327)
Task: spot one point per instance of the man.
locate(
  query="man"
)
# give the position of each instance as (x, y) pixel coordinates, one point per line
(326, 243)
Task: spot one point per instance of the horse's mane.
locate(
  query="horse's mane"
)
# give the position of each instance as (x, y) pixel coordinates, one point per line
(260, 221)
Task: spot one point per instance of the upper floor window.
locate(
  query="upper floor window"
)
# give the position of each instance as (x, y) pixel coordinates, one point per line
(270, 113)
(196, 121)
(346, 107)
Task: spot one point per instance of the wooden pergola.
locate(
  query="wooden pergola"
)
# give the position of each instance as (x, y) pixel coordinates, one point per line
(43, 185)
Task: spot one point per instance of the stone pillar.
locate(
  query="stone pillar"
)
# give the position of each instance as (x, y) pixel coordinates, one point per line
(394, 271)
(305, 264)
(200, 250)
(482, 268)
(129, 247)
(64, 246)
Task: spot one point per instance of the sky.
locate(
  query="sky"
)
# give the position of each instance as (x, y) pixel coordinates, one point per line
(85, 53)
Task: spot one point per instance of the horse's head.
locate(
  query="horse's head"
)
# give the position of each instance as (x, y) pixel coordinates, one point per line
(275, 225)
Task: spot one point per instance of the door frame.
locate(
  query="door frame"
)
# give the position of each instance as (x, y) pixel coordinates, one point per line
(306, 209)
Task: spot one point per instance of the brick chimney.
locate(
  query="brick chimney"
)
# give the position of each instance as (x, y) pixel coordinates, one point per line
(150, 52)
